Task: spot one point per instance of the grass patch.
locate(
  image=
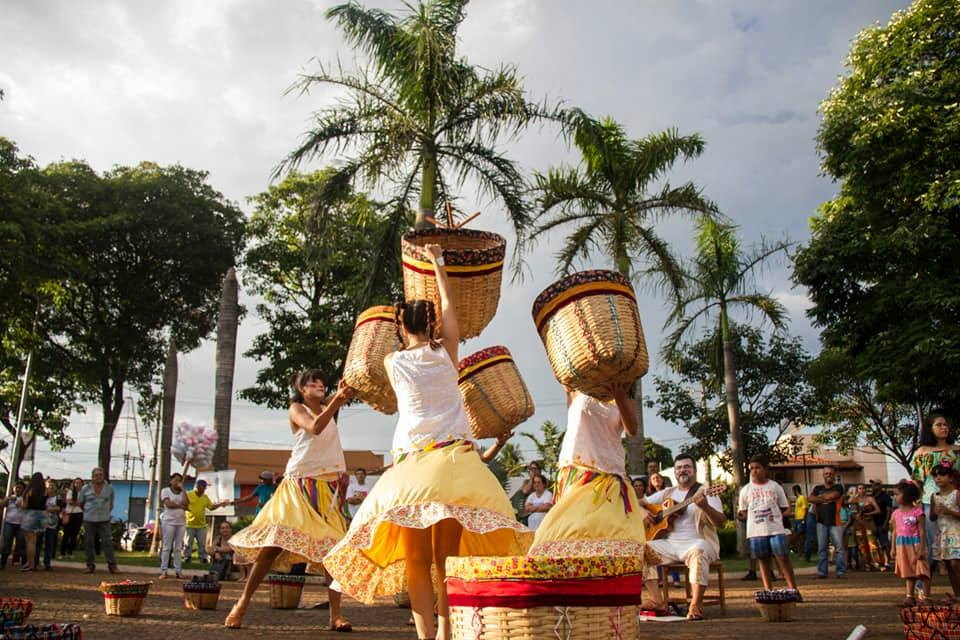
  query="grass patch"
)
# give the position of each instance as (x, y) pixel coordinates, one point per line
(137, 559)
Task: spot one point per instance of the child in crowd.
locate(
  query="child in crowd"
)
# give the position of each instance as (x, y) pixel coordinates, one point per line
(910, 542)
(945, 510)
(762, 503)
(849, 535)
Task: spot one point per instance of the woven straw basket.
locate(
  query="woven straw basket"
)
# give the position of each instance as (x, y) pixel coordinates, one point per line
(494, 394)
(474, 264)
(62, 631)
(285, 591)
(206, 599)
(776, 611)
(374, 336)
(540, 597)
(590, 326)
(14, 611)
(124, 598)
(931, 622)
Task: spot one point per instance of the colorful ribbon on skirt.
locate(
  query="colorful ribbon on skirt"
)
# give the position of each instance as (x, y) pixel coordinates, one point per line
(605, 482)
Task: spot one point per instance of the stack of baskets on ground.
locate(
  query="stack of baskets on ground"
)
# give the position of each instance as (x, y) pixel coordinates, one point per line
(590, 326)
(474, 265)
(494, 395)
(543, 597)
(931, 622)
(374, 336)
(777, 605)
(285, 590)
(124, 598)
(201, 593)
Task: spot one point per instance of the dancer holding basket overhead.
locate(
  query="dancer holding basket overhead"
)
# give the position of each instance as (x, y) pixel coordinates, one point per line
(302, 521)
(438, 499)
(595, 511)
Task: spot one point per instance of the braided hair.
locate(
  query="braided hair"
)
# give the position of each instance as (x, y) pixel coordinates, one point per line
(417, 316)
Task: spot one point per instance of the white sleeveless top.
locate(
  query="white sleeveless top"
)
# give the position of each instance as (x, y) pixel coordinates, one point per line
(316, 455)
(429, 403)
(593, 436)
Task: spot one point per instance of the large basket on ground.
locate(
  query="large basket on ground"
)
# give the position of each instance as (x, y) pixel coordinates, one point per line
(14, 611)
(124, 598)
(931, 622)
(201, 595)
(474, 264)
(285, 590)
(42, 632)
(374, 336)
(541, 597)
(494, 394)
(590, 326)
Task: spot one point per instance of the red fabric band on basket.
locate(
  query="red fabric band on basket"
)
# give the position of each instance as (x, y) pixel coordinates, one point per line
(522, 594)
(117, 596)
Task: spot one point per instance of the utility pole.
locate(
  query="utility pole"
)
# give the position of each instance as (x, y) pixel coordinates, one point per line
(15, 449)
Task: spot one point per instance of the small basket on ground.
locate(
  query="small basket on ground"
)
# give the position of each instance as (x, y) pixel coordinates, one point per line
(543, 597)
(777, 605)
(931, 622)
(124, 598)
(494, 394)
(474, 265)
(374, 336)
(201, 594)
(590, 326)
(285, 590)
(42, 632)
(14, 611)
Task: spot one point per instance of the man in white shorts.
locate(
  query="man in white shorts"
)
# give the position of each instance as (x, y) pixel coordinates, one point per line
(693, 538)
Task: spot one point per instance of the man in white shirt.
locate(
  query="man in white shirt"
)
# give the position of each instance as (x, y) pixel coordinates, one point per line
(357, 491)
(693, 538)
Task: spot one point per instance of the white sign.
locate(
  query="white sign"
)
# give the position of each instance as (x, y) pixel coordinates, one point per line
(220, 488)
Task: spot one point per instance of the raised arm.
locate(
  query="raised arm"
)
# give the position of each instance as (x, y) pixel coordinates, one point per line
(628, 411)
(494, 449)
(449, 325)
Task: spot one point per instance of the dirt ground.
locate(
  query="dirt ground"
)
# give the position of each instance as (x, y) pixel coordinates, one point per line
(832, 609)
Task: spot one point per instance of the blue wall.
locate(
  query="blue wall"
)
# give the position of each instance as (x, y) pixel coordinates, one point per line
(126, 489)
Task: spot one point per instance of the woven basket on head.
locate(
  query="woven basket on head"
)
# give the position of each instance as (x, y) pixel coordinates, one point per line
(590, 326)
(285, 590)
(474, 264)
(374, 336)
(494, 394)
(541, 597)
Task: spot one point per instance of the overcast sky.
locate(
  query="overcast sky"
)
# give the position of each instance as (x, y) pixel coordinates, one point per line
(201, 84)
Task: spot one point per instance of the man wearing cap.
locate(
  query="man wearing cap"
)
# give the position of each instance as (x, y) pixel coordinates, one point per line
(263, 491)
(199, 502)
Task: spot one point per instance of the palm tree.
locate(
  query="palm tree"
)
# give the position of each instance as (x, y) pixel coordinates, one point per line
(548, 447)
(608, 201)
(417, 116)
(720, 280)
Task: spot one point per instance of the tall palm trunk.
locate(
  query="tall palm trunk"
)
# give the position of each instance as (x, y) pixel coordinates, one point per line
(428, 189)
(167, 408)
(732, 398)
(226, 357)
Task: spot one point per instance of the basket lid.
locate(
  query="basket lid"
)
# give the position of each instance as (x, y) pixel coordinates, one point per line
(578, 285)
(541, 567)
(482, 359)
(283, 578)
(383, 313)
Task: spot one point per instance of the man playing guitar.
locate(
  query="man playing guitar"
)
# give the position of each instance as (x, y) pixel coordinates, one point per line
(693, 539)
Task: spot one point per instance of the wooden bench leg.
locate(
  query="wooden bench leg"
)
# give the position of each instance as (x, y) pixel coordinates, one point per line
(723, 594)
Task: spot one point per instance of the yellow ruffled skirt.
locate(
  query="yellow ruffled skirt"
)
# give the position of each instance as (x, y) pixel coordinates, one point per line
(423, 488)
(594, 514)
(302, 518)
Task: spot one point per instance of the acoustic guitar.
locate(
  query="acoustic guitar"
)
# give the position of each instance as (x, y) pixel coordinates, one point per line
(666, 512)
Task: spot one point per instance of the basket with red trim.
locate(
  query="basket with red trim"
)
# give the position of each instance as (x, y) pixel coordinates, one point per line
(544, 597)
(374, 336)
(124, 598)
(474, 265)
(285, 590)
(590, 326)
(42, 632)
(14, 610)
(494, 394)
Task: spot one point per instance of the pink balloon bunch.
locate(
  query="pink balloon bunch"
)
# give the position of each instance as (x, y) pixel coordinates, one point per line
(194, 444)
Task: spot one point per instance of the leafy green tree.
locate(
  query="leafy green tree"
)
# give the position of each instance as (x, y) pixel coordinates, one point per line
(719, 281)
(613, 201)
(773, 384)
(656, 452)
(850, 412)
(417, 116)
(310, 236)
(881, 266)
(509, 463)
(146, 247)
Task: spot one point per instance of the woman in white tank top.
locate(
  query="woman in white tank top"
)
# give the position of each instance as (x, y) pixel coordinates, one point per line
(303, 519)
(438, 499)
(595, 512)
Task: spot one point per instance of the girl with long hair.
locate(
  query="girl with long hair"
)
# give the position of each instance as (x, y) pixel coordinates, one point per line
(302, 520)
(438, 499)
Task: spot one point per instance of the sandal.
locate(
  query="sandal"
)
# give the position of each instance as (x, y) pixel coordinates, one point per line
(909, 601)
(694, 614)
(342, 626)
(235, 617)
